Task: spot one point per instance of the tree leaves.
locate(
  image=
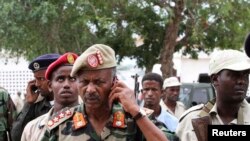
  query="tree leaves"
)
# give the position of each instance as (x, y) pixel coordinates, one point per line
(31, 27)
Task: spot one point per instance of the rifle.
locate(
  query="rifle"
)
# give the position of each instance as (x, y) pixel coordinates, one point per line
(136, 87)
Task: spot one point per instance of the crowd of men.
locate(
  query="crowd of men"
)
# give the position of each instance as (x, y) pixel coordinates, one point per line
(80, 98)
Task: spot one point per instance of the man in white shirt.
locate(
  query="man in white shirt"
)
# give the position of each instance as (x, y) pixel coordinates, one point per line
(151, 94)
(171, 94)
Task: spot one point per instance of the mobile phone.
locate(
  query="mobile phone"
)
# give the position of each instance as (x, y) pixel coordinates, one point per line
(114, 80)
(34, 88)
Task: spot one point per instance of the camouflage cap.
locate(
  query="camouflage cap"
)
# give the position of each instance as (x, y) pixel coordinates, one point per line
(43, 61)
(96, 57)
(66, 59)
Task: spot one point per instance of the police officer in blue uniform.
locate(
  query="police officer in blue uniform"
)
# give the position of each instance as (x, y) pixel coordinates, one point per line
(39, 99)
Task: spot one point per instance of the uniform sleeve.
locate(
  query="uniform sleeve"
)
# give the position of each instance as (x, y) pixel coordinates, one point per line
(26, 135)
(185, 131)
(12, 113)
(169, 134)
(22, 119)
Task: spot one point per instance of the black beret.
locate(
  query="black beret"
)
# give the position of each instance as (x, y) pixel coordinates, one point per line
(247, 45)
(43, 61)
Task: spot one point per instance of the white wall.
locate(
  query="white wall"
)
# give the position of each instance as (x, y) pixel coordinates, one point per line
(188, 69)
(14, 77)
(191, 68)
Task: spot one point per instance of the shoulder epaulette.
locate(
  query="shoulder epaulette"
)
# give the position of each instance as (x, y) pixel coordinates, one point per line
(60, 117)
(206, 108)
(190, 110)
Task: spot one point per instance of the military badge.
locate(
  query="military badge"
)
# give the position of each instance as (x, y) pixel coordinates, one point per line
(95, 59)
(50, 123)
(119, 119)
(99, 57)
(92, 61)
(70, 58)
(68, 113)
(55, 119)
(79, 120)
(36, 66)
(61, 115)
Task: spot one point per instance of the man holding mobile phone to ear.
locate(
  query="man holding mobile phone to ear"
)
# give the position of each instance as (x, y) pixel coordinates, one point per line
(106, 104)
(39, 102)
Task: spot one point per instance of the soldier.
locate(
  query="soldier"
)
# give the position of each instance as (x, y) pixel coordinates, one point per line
(8, 114)
(39, 98)
(229, 71)
(151, 94)
(65, 92)
(171, 94)
(109, 110)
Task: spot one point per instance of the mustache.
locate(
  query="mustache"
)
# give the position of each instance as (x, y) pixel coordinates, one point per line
(91, 96)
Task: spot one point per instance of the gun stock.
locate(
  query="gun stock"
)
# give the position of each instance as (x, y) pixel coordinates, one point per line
(136, 86)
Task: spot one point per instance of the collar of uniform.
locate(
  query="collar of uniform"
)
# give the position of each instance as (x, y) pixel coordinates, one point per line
(106, 131)
(59, 117)
(243, 109)
(240, 116)
(45, 120)
(39, 98)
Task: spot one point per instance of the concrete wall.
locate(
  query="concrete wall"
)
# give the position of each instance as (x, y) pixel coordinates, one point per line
(188, 69)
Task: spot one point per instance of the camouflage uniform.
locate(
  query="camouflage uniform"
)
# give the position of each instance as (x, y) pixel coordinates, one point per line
(28, 113)
(61, 126)
(8, 114)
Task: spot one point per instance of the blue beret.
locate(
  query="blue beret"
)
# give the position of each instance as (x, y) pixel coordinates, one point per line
(247, 45)
(43, 61)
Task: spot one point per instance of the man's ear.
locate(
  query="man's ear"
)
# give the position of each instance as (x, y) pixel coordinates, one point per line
(214, 79)
(49, 85)
(163, 94)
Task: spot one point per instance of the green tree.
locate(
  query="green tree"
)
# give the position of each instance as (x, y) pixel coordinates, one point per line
(32, 27)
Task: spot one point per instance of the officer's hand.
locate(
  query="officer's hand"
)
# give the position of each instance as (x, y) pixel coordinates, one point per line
(31, 95)
(125, 96)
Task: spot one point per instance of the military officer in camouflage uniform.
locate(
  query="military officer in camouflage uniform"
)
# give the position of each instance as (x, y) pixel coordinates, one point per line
(40, 99)
(8, 114)
(229, 73)
(65, 92)
(109, 112)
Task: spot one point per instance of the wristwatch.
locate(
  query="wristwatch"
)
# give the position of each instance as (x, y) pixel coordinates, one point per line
(140, 114)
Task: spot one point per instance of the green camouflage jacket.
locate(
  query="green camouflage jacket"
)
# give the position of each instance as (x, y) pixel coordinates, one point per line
(62, 126)
(8, 114)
